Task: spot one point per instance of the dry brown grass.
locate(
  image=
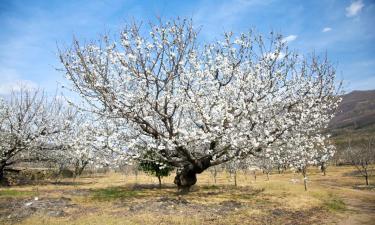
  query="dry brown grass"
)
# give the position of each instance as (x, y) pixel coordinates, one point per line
(114, 198)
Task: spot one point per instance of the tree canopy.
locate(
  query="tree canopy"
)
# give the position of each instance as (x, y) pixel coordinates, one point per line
(197, 104)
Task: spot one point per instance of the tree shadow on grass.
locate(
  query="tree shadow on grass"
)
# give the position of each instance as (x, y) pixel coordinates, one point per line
(229, 190)
(70, 183)
(114, 193)
(141, 187)
(142, 191)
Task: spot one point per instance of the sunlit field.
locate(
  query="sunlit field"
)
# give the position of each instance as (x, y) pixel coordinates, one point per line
(116, 198)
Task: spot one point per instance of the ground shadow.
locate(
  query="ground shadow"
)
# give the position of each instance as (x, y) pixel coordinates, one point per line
(70, 183)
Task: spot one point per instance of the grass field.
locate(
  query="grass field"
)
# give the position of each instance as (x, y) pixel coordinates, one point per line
(115, 198)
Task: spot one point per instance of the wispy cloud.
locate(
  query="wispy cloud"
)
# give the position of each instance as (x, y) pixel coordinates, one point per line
(354, 8)
(289, 38)
(219, 16)
(326, 29)
(16, 86)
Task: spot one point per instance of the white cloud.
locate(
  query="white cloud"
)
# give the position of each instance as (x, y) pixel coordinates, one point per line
(354, 8)
(326, 29)
(289, 38)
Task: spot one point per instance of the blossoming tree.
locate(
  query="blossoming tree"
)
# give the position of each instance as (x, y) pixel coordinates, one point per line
(198, 105)
(91, 142)
(30, 124)
(313, 150)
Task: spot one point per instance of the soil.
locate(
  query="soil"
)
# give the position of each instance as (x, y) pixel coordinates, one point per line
(14, 209)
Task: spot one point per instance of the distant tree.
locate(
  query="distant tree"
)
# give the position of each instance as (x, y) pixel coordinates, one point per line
(31, 127)
(323, 167)
(232, 168)
(362, 156)
(266, 165)
(155, 168)
(92, 142)
(214, 170)
(312, 151)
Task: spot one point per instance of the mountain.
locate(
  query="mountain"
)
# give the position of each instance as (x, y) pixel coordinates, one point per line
(355, 115)
(356, 111)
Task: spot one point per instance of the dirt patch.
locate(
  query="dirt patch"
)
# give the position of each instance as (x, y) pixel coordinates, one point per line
(68, 192)
(365, 187)
(76, 192)
(178, 205)
(216, 213)
(15, 210)
(310, 216)
(359, 211)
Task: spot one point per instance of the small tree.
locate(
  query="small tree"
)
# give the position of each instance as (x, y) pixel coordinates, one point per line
(311, 151)
(214, 171)
(323, 167)
(362, 156)
(232, 167)
(159, 169)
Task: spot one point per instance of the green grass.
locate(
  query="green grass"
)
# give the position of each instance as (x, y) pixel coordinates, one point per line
(113, 193)
(334, 203)
(15, 193)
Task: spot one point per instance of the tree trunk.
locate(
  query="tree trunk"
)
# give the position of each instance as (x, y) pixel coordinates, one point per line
(2, 178)
(215, 174)
(235, 178)
(304, 178)
(159, 178)
(255, 175)
(323, 168)
(367, 182)
(80, 170)
(187, 176)
(268, 177)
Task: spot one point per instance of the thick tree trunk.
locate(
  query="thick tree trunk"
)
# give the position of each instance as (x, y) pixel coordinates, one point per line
(187, 176)
(2, 177)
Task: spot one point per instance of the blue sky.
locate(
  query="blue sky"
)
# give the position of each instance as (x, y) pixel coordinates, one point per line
(31, 30)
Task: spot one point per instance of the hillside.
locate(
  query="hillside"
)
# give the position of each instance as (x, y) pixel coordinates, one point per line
(355, 115)
(356, 111)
